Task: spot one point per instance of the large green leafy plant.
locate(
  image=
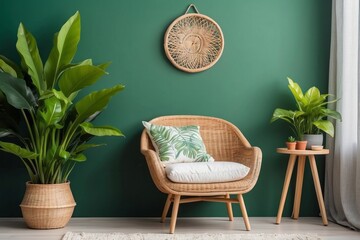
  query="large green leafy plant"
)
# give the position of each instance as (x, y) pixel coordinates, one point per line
(311, 114)
(42, 97)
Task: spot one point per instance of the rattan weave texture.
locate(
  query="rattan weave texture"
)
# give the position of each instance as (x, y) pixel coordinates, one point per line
(193, 42)
(223, 141)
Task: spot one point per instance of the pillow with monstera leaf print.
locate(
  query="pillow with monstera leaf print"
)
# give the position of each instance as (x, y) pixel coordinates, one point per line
(178, 144)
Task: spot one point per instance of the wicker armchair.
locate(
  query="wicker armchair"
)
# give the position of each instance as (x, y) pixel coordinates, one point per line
(223, 141)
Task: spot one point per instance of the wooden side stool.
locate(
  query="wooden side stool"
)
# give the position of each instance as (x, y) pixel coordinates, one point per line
(301, 156)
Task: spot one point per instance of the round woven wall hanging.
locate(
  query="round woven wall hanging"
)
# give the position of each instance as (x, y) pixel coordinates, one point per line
(193, 42)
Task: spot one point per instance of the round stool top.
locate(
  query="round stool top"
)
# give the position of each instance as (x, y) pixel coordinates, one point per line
(303, 152)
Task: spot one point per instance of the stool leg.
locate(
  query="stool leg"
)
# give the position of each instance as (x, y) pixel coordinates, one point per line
(319, 195)
(299, 184)
(288, 174)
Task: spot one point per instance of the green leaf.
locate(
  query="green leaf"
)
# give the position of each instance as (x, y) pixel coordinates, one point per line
(52, 112)
(333, 114)
(46, 94)
(65, 102)
(294, 118)
(104, 66)
(77, 77)
(313, 96)
(68, 39)
(78, 157)
(7, 68)
(15, 67)
(51, 68)
(64, 154)
(296, 91)
(17, 150)
(64, 49)
(286, 115)
(325, 126)
(85, 62)
(60, 95)
(95, 102)
(100, 131)
(17, 93)
(30, 57)
(84, 147)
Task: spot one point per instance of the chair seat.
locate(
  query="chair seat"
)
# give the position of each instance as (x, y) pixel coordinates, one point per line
(210, 189)
(206, 172)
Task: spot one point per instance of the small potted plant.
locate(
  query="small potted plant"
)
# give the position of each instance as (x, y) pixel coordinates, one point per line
(309, 119)
(291, 143)
(301, 144)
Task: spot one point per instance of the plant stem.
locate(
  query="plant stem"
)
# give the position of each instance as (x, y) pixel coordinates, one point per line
(28, 126)
(33, 143)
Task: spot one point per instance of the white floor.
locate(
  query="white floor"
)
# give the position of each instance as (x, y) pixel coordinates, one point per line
(15, 229)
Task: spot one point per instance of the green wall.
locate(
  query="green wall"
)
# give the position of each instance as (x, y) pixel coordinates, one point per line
(265, 41)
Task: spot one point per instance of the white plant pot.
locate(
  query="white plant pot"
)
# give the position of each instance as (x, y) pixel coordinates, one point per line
(313, 139)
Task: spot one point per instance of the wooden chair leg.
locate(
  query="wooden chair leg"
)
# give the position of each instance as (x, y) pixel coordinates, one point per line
(244, 213)
(174, 213)
(166, 208)
(229, 209)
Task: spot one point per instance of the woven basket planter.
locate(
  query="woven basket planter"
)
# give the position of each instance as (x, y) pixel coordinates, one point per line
(47, 206)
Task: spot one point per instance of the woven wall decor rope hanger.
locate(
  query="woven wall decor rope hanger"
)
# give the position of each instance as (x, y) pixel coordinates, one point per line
(193, 42)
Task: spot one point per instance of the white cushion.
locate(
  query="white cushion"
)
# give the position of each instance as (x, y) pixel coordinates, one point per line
(206, 172)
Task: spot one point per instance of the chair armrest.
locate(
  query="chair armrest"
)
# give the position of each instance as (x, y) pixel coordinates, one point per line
(251, 157)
